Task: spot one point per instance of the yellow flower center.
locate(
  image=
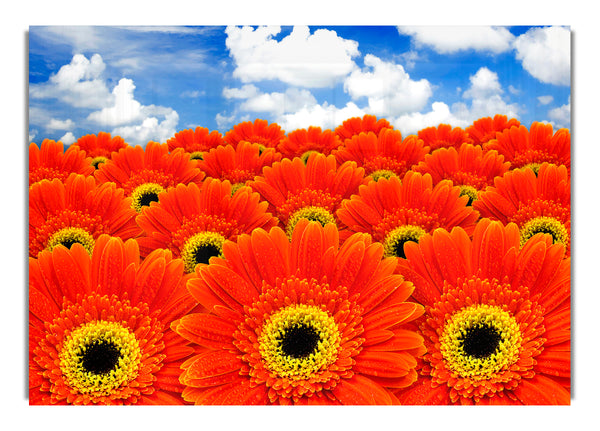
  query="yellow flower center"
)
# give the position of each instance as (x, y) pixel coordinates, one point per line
(235, 187)
(298, 341)
(197, 155)
(144, 194)
(545, 225)
(480, 340)
(382, 173)
(535, 167)
(200, 248)
(97, 160)
(469, 191)
(99, 356)
(312, 213)
(306, 155)
(69, 236)
(393, 244)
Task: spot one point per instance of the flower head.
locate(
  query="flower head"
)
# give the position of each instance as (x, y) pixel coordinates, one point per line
(530, 148)
(396, 213)
(486, 128)
(497, 319)
(383, 155)
(100, 147)
(257, 132)
(194, 221)
(444, 136)
(50, 161)
(100, 325)
(300, 321)
(77, 211)
(315, 190)
(195, 141)
(144, 173)
(535, 204)
(237, 165)
(357, 125)
(468, 167)
(302, 142)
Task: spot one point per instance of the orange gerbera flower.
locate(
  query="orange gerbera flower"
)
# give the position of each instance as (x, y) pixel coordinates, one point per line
(444, 136)
(383, 156)
(100, 147)
(257, 132)
(497, 317)
(144, 174)
(314, 190)
(469, 167)
(302, 142)
(356, 125)
(77, 211)
(395, 212)
(300, 322)
(195, 142)
(194, 221)
(99, 326)
(237, 165)
(534, 204)
(52, 161)
(486, 128)
(530, 148)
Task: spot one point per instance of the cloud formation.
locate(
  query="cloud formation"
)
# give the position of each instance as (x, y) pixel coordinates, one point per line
(546, 54)
(452, 39)
(301, 59)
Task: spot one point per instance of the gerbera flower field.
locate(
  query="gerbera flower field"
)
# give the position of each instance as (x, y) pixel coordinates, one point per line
(348, 266)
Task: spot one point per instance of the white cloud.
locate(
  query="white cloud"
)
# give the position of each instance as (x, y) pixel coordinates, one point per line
(451, 39)
(55, 124)
(32, 134)
(124, 109)
(68, 138)
(388, 88)
(483, 84)
(279, 103)
(561, 116)
(245, 92)
(513, 90)
(546, 54)
(301, 59)
(224, 121)
(151, 129)
(325, 116)
(78, 84)
(440, 113)
(545, 100)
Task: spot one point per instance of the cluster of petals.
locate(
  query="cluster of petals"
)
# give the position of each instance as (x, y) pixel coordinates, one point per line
(352, 265)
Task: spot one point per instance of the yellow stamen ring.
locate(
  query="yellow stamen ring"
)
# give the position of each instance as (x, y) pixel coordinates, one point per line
(97, 160)
(144, 194)
(100, 356)
(545, 225)
(69, 236)
(480, 340)
(312, 213)
(200, 248)
(469, 191)
(393, 245)
(197, 155)
(382, 173)
(299, 340)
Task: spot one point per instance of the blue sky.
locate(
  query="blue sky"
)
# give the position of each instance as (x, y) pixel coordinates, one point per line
(149, 82)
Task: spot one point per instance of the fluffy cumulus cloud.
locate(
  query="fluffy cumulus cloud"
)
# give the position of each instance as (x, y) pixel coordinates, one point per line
(301, 59)
(546, 54)
(451, 39)
(545, 100)
(78, 84)
(561, 117)
(415, 121)
(324, 115)
(68, 138)
(387, 87)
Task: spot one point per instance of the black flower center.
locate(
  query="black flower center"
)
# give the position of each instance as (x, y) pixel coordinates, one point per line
(300, 341)
(148, 197)
(203, 252)
(100, 357)
(480, 341)
(68, 242)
